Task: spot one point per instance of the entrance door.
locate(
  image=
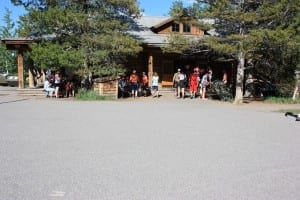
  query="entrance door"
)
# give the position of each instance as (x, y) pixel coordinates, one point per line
(168, 72)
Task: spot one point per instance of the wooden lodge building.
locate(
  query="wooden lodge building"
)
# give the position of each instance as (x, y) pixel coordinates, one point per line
(153, 33)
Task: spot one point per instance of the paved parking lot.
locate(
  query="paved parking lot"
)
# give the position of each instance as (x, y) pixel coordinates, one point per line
(146, 148)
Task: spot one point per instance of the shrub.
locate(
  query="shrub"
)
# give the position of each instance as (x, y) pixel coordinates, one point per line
(90, 95)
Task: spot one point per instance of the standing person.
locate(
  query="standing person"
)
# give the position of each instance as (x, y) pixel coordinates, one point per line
(144, 84)
(176, 82)
(121, 87)
(193, 83)
(297, 90)
(69, 87)
(90, 80)
(210, 75)
(134, 83)
(204, 83)
(57, 82)
(155, 80)
(182, 78)
(224, 77)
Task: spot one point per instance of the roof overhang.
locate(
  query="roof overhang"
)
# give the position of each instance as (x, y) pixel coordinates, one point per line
(17, 43)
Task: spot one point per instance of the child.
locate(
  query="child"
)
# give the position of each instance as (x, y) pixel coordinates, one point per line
(155, 79)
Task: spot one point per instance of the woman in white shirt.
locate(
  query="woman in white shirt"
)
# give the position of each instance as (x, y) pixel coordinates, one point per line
(155, 80)
(47, 87)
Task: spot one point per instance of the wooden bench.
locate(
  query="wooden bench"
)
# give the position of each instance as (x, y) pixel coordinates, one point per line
(167, 80)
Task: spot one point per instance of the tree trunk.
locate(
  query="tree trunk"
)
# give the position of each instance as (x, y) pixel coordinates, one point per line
(239, 79)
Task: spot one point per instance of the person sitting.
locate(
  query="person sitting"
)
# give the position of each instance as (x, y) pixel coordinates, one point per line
(204, 84)
(48, 88)
(224, 77)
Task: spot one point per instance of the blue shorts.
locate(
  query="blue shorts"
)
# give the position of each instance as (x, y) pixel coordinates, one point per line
(155, 87)
(134, 86)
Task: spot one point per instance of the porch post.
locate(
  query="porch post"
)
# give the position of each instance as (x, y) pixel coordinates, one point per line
(150, 68)
(30, 79)
(20, 70)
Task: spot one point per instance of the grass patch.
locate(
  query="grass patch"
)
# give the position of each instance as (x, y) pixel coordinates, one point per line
(282, 100)
(90, 95)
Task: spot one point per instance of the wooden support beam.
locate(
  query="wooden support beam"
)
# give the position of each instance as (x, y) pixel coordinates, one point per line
(20, 70)
(150, 68)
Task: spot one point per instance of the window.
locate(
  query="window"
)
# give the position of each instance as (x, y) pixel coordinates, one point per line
(175, 27)
(186, 28)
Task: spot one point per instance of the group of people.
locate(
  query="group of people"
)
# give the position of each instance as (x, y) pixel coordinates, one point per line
(196, 81)
(136, 85)
(56, 85)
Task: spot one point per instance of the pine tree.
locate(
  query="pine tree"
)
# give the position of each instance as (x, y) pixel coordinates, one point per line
(262, 35)
(7, 58)
(262, 32)
(85, 35)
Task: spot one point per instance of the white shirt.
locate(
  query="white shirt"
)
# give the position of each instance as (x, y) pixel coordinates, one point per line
(155, 81)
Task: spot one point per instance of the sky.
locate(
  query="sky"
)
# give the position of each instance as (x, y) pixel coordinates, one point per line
(150, 7)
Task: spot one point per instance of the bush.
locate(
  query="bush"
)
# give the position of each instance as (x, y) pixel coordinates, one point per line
(285, 89)
(90, 95)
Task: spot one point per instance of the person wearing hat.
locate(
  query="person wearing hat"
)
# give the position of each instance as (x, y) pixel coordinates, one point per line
(134, 83)
(176, 82)
(181, 85)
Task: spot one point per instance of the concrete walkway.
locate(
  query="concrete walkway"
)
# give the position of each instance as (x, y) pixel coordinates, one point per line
(146, 148)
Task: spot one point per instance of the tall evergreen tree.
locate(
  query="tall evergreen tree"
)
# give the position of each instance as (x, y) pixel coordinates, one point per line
(263, 35)
(7, 58)
(87, 35)
(263, 32)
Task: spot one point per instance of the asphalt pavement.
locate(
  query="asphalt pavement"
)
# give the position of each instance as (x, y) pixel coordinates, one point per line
(146, 148)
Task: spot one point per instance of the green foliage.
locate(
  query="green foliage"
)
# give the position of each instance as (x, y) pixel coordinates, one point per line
(8, 61)
(265, 34)
(275, 58)
(194, 11)
(177, 43)
(189, 15)
(90, 95)
(177, 9)
(50, 55)
(88, 35)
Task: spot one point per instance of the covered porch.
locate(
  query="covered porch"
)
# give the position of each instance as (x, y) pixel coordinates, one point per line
(21, 46)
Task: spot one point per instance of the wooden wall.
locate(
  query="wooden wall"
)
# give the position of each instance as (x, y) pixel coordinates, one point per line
(168, 30)
(107, 87)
